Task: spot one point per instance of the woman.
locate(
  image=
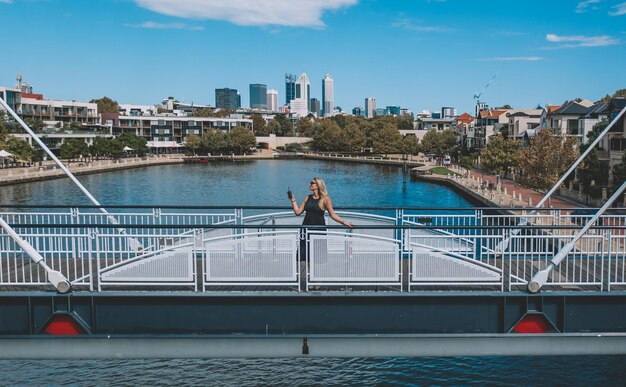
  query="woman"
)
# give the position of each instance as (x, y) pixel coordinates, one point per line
(315, 205)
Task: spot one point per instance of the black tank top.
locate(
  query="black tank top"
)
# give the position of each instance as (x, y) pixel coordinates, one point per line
(314, 214)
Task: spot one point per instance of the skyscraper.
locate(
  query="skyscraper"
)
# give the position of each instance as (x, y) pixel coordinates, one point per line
(290, 88)
(272, 100)
(314, 106)
(227, 99)
(370, 107)
(328, 96)
(300, 103)
(258, 96)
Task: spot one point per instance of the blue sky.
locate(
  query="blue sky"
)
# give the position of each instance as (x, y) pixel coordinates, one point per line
(420, 54)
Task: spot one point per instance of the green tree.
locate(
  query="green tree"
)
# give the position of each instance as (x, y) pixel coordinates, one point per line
(405, 123)
(410, 145)
(286, 127)
(193, 142)
(500, 154)
(329, 137)
(273, 127)
(116, 147)
(306, 127)
(353, 138)
(131, 140)
(619, 172)
(4, 132)
(589, 170)
(259, 125)
(387, 140)
(20, 148)
(73, 148)
(214, 141)
(106, 105)
(240, 139)
(547, 158)
(439, 143)
(101, 147)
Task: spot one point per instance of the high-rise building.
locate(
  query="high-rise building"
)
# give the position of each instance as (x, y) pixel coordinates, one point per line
(300, 103)
(290, 88)
(448, 112)
(314, 106)
(370, 107)
(358, 111)
(393, 110)
(258, 96)
(227, 99)
(272, 100)
(328, 96)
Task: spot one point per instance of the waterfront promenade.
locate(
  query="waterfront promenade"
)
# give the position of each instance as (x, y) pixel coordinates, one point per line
(49, 170)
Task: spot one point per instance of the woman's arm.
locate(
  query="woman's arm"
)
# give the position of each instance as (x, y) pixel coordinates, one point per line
(333, 214)
(298, 210)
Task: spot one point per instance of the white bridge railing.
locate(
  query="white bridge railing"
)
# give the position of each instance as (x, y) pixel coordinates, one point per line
(248, 249)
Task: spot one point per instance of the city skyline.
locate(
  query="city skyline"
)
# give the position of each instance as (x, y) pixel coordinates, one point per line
(423, 54)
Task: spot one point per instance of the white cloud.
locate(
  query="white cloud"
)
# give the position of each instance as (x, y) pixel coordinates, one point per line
(165, 26)
(415, 26)
(6, 1)
(514, 58)
(292, 13)
(620, 9)
(582, 41)
(583, 5)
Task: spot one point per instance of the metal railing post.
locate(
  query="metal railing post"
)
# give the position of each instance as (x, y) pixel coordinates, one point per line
(55, 277)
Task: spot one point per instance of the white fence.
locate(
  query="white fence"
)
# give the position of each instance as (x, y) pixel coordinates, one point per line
(230, 249)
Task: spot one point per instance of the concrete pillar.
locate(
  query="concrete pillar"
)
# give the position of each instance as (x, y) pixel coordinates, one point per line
(604, 194)
(505, 193)
(530, 201)
(520, 197)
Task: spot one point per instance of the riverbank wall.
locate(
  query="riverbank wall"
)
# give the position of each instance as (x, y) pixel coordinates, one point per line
(408, 162)
(49, 170)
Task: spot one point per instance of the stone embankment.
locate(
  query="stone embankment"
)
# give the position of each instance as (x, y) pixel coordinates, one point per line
(49, 170)
(410, 161)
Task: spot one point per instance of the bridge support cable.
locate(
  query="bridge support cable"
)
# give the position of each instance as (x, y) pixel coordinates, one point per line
(541, 277)
(524, 220)
(56, 278)
(135, 244)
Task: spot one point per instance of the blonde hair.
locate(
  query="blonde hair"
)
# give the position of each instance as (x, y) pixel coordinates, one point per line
(321, 190)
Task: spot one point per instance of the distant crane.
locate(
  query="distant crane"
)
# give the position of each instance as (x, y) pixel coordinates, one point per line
(477, 94)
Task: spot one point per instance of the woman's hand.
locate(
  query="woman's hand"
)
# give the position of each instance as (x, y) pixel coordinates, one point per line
(347, 224)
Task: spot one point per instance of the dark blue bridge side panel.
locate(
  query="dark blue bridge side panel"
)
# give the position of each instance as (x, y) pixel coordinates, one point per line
(323, 313)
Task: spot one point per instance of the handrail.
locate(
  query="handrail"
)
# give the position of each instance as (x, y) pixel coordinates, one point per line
(541, 277)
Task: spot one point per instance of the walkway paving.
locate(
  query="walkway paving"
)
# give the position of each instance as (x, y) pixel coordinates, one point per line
(521, 196)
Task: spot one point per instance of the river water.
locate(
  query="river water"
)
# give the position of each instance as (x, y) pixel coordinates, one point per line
(264, 183)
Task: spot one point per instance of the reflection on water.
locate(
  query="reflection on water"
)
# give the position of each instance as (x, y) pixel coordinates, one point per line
(508, 371)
